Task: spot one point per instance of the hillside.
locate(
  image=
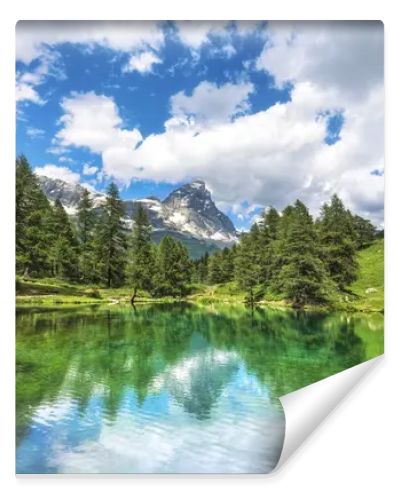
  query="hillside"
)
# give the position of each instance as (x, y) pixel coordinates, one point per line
(365, 294)
(368, 289)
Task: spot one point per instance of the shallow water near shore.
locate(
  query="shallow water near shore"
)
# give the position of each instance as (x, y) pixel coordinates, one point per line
(171, 388)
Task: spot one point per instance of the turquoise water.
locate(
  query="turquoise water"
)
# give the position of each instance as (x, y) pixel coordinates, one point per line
(170, 388)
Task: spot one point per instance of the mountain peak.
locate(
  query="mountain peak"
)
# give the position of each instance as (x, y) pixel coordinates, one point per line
(189, 209)
(197, 184)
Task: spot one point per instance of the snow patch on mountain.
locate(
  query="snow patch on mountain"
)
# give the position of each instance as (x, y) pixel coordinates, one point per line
(189, 209)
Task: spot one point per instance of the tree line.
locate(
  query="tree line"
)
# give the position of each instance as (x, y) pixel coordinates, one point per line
(288, 254)
(98, 248)
(292, 256)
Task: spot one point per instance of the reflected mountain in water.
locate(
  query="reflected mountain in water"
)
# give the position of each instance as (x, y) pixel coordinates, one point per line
(171, 388)
(197, 382)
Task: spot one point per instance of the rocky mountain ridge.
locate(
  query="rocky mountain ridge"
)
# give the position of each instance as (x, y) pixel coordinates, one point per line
(188, 211)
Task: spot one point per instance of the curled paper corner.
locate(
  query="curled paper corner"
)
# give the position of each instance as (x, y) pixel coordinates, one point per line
(306, 408)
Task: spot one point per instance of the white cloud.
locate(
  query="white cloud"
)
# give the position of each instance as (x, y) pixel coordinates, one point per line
(93, 121)
(34, 133)
(142, 62)
(65, 159)
(250, 28)
(38, 41)
(210, 104)
(194, 34)
(34, 37)
(218, 36)
(89, 169)
(345, 55)
(56, 150)
(57, 172)
(26, 92)
(270, 157)
(27, 82)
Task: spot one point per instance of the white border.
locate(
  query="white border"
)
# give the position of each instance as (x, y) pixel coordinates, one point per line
(355, 452)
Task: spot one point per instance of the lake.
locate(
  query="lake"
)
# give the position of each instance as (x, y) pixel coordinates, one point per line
(171, 388)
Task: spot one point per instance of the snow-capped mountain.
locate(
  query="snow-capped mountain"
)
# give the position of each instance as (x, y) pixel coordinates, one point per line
(189, 210)
(69, 194)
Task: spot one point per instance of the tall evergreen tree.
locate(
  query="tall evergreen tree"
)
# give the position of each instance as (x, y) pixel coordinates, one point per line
(215, 273)
(173, 269)
(228, 264)
(365, 232)
(33, 222)
(111, 240)
(200, 269)
(140, 267)
(86, 222)
(247, 265)
(302, 278)
(270, 223)
(338, 242)
(63, 252)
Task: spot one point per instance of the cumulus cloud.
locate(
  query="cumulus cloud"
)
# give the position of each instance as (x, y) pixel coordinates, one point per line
(26, 92)
(142, 62)
(28, 81)
(89, 169)
(197, 34)
(58, 172)
(270, 157)
(346, 56)
(210, 104)
(194, 34)
(93, 121)
(38, 41)
(35, 37)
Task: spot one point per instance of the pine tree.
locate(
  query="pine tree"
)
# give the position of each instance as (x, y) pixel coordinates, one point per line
(63, 253)
(140, 268)
(173, 269)
(86, 222)
(364, 230)
(302, 277)
(200, 269)
(228, 264)
(247, 265)
(111, 240)
(270, 223)
(33, 222)
(269, 228)
(338, 242)
(215, 268)
(278, 258)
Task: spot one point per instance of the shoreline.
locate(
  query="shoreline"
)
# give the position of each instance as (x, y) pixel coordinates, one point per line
(26, 301)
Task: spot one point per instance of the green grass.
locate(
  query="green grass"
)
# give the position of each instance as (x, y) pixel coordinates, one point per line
(368, 289)
(367, 292)
(225, 293)
(50, 291)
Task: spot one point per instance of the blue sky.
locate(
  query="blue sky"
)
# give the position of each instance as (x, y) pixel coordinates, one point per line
(255, 109)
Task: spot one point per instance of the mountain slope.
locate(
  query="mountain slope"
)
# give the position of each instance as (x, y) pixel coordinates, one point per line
(191, 209)
(369, 286)
(188, 213)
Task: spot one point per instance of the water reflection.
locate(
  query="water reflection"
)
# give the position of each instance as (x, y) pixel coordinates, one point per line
(171, 388)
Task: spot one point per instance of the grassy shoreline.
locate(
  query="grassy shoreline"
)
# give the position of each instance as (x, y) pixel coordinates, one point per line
(365, 295)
